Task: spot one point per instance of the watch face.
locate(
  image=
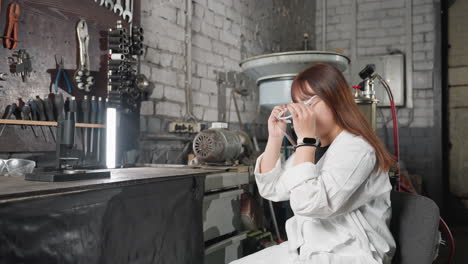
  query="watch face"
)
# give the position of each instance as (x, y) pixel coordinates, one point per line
(310, 140)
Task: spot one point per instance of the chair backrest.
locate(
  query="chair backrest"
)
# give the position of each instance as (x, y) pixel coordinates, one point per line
(415, 227)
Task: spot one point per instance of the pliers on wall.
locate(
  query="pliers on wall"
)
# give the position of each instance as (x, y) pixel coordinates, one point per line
(60, 71)
(10, 38)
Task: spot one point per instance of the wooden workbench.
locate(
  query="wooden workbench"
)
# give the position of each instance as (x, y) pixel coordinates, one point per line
(12, 188)
(139, 215)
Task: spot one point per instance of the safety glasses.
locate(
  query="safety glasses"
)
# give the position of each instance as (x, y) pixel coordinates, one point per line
(288, 117)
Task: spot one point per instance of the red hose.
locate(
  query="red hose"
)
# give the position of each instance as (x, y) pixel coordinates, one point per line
(396, 137)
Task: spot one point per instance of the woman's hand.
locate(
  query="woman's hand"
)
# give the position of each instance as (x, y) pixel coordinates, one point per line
(304, 119)
(276, 127)
(275, 139)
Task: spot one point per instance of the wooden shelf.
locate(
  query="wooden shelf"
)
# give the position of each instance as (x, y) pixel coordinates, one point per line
(45, 123)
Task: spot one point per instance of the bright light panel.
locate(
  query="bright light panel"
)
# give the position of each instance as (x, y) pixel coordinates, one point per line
(111, 137)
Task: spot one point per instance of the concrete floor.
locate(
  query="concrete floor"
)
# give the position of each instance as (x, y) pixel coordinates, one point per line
(460, 234)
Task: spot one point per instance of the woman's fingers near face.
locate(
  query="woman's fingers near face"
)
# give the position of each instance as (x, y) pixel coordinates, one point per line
(276, 110)
(293, 110)
(309, 109)
(298, 112)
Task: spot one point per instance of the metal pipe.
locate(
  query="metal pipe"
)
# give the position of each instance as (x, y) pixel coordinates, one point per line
(188, 61)
(166, 137)
(409, 53)
(273, 217)
(353, 38)
(324, 24)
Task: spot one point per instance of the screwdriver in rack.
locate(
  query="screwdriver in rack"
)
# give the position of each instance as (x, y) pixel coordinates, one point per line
(93, 120)
(26, 115)
(101, 111)
(85, 107)
(49, 111)
(17, 113)
(35, 115)
(72, 107)
(7, 115)
(58, 106)
(40, 109)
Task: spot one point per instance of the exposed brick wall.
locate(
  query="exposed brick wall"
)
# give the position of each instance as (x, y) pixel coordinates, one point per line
(381, 28)
(226, 31)
(223, 33)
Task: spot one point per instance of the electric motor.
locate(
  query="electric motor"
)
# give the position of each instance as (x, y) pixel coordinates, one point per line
(218, 145)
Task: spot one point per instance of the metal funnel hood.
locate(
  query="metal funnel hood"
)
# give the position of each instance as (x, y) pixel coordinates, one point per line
(274, 72)
(289, 63)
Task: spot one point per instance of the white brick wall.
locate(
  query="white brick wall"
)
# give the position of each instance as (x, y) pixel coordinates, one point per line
(380, 29)
(222, 34)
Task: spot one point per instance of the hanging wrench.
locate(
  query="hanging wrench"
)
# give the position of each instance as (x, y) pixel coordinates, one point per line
(101, 3)
(109, 4)
(128, 12)
(83, 78)
(118, 8)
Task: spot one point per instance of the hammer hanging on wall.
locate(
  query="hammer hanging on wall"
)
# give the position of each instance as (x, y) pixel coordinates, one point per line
(10, 38)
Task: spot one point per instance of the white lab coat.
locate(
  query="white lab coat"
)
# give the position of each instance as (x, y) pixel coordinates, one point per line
(341, 207)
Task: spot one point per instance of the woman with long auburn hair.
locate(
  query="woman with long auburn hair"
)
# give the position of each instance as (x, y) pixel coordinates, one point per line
(336, 181)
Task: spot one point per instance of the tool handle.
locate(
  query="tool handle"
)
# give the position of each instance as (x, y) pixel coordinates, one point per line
(12, 111)
(101, 110)
(85, 107)
(58, 106)
(26, 112)
(72, 108)
(57, 78)
(49, 109)
(17, 112)
(69, 87)
(94, 110)
(33, 106)
(40, 109)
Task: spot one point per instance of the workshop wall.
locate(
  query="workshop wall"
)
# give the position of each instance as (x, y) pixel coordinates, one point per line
(48, 28)
(223, 33)
(458, 99)
(380, 29)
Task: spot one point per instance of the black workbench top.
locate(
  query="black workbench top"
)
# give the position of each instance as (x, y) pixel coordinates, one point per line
(13, 188)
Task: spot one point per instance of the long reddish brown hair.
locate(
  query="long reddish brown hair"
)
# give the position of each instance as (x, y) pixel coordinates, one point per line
(331, 86)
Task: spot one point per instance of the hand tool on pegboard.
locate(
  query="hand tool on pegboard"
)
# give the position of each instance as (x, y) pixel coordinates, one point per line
(126, 87)
(26, 115)
(9, 110)
(20, 64)
(10, 38)
(18, 111)
(93, 120)
(118, 8)
(82, 77)
(42, 112)
(35, 115)
(85, 110)
(101, 113)
(2, 75)
(61, 72)
(58, 107)
(49, 112)
(101, 2)
(128, 12)
(72, 107)
(109, 4)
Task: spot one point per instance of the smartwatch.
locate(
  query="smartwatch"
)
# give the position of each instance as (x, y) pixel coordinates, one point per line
(309, 141)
